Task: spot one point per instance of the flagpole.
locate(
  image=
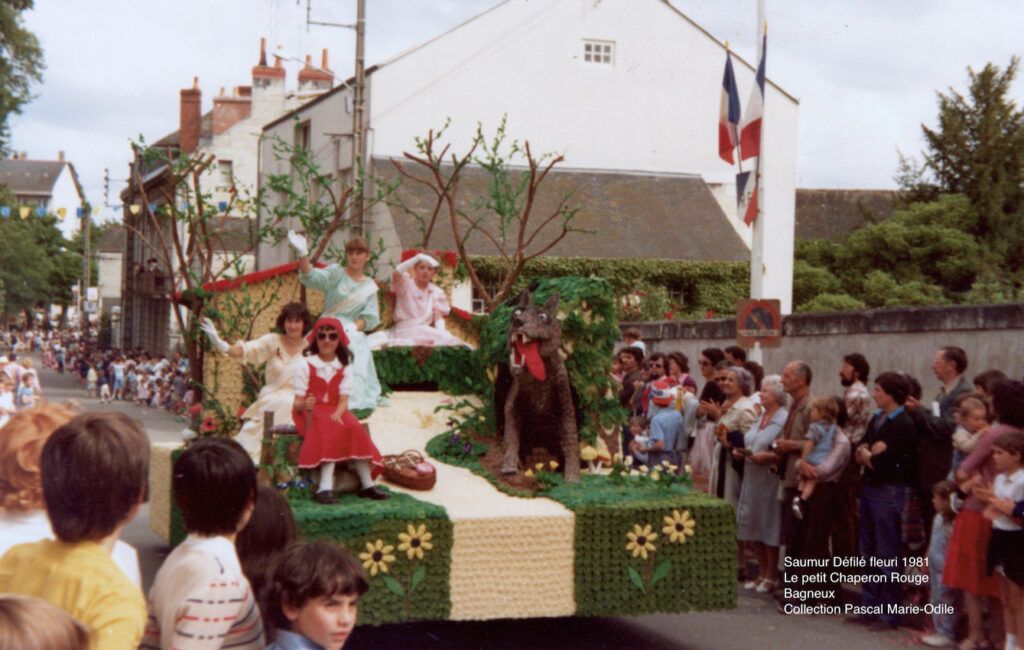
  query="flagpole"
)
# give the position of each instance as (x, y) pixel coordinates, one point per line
(757, 268)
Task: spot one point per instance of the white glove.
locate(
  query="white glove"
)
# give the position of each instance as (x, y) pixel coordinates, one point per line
(298, 243)
(211, 333)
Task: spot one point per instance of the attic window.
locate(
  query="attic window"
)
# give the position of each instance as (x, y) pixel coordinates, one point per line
(599, 52)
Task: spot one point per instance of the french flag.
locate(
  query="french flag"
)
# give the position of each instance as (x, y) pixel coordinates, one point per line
(750, 129)
(747, 195)
(729, 114)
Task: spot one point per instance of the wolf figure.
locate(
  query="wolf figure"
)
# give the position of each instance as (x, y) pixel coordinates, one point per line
(538, 408)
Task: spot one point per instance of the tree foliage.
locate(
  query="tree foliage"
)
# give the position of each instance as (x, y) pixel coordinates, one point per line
(21, 64)
(977, 150)
(37, 265)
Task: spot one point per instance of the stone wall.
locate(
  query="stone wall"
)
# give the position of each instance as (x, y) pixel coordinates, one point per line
(903, 339)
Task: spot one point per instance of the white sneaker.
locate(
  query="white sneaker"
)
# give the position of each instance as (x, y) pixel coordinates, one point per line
(766, 586)
(936, 640)
(750, 584)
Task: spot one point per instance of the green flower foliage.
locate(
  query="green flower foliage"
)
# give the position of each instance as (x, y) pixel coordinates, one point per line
(704, 285)
(455, 370)
(589, 332)
(356, 522)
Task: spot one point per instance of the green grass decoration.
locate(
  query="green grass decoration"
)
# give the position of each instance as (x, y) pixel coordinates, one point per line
(455, 370)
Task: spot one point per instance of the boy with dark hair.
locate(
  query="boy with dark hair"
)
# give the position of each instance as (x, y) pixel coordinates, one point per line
(314, 600)
(201, 598)
(94, 472)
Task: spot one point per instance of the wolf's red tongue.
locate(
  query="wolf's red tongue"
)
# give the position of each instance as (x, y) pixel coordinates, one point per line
(530, 352)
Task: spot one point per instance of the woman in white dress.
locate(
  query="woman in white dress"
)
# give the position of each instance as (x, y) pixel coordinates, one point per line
(283, 354)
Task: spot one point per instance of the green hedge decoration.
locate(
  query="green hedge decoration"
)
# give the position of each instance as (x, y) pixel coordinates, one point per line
(455, 370)
(704, 285)
(411, 589)
(696, 575)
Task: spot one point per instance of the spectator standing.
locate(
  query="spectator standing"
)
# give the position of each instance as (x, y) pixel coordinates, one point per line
(854, 373)
(966, 566)
(734, 417)
(95, 472)
(944, 633)
(758, 512)
(201, 591)
(887, 455)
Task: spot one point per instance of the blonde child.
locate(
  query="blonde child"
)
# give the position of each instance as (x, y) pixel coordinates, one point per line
(819, 442)
(26, 395)
(1006, 546)
(972, 417)
(942, 530)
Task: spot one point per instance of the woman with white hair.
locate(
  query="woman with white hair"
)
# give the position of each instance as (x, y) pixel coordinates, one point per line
(758, 514)
(736, 415)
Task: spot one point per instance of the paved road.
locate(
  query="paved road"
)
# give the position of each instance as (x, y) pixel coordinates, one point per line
(755, 623)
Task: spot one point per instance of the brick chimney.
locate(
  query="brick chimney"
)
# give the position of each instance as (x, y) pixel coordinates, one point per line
(263, 76)
(229, 110)
(60, 156)
(315, 80)
(191, 116)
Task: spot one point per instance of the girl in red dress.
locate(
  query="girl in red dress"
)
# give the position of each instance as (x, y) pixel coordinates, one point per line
(330, 433)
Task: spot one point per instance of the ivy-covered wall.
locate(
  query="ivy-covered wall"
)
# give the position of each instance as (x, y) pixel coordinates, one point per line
(704, 285)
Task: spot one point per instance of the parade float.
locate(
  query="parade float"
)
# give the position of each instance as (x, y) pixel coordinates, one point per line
(566, 529)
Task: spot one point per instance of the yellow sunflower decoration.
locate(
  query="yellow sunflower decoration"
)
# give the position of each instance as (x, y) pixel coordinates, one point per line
(415, 541)
(640, 540)
(679, 526)
(377, 556)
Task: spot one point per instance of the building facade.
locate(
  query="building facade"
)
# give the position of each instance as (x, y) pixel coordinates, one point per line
(617, 87)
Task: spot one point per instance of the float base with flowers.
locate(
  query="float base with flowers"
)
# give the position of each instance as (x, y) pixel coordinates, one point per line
(620, 542)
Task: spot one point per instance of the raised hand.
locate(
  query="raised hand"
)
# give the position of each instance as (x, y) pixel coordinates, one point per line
(211, 333)
(298, 243)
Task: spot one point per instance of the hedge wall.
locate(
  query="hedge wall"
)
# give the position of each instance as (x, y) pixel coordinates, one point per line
(705, 285)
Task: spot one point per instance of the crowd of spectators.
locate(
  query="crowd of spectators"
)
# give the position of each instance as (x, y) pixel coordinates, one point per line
(929, 488)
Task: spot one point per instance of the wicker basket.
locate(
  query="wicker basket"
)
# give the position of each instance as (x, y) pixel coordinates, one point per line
(409, 470)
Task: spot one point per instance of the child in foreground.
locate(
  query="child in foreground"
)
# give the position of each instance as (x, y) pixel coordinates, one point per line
(942, 530)
(1006, 546)
(95, 471)
(201, 598)
(313, 599)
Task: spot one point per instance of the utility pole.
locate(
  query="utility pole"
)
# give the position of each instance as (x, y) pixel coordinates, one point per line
(358, 172)
(359, 121)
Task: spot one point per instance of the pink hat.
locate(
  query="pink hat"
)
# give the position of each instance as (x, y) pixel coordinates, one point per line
(328, 321)
(662, 393)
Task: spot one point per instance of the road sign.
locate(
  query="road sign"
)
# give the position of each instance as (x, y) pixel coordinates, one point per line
(758, 321)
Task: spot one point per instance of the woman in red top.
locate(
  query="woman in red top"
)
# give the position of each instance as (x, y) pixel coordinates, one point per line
(330, 433)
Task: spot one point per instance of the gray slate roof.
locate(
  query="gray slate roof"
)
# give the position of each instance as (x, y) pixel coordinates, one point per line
(632, 215)
(834, 214)
(30, 177)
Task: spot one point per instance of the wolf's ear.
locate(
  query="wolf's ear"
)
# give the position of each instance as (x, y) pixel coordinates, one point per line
(551, 306)
(524, 300)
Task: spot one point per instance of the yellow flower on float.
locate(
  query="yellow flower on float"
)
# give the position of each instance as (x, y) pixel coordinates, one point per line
(679, 526)
(415, 541)
(640, 540)
(377, 556)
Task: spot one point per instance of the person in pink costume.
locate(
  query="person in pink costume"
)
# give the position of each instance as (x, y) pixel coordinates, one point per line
(420, 305)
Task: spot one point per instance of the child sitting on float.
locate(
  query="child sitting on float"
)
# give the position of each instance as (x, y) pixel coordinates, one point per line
(330, 433)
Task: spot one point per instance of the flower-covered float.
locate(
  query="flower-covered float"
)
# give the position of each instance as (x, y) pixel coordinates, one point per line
(482, 545)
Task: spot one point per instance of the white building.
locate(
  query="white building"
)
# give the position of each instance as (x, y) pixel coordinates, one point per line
(50, 184)
(619, 86)
(230, 133)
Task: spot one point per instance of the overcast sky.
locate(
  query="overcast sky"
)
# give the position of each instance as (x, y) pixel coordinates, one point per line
(865, 71)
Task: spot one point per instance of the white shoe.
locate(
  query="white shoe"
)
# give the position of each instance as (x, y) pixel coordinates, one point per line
(750, 584)
(766, 586)
(936, 640)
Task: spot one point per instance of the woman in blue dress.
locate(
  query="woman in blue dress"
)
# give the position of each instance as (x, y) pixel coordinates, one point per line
(351, 297)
